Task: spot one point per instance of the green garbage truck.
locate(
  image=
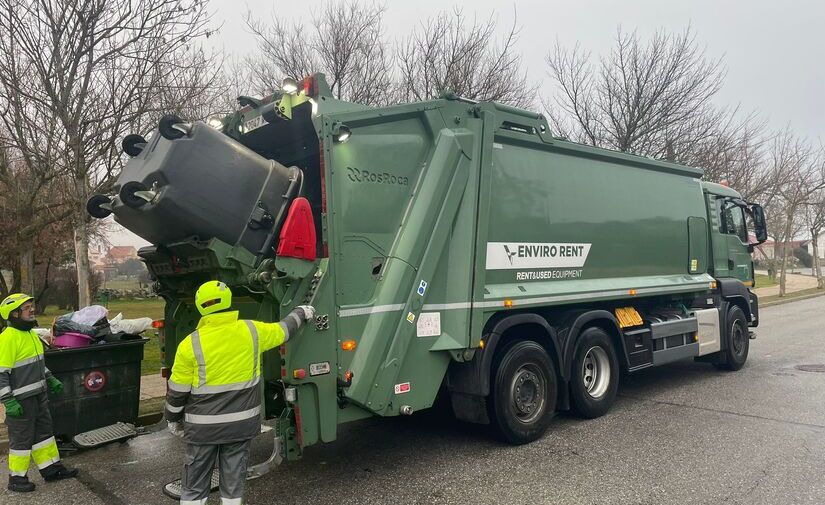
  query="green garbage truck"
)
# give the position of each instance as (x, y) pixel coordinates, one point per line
(450, 247)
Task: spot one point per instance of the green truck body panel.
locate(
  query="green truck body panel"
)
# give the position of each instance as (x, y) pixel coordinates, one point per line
(436, 217)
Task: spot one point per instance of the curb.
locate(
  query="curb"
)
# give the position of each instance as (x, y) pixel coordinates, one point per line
(149, 419)
(790, 299)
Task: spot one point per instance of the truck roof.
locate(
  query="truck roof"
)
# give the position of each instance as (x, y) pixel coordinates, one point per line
(718, 189)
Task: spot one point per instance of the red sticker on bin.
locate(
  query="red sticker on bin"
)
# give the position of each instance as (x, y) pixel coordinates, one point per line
(404, 387)
(94, 381)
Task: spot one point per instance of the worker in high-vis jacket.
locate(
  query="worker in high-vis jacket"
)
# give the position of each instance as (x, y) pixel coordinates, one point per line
(24, 379)
(214, 397)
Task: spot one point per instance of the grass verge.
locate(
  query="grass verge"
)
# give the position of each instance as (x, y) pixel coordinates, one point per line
(805, 293)
(764, 281)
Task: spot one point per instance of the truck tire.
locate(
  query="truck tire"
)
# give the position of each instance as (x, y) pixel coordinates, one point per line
(525, 387)
(738, 340)
(594, 380)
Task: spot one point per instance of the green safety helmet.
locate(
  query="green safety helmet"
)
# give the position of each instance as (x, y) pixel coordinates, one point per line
(213, 296)
(12, 303)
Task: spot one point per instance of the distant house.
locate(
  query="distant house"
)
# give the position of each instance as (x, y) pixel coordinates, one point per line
(767, 250)
(97, 257)
(120, 253)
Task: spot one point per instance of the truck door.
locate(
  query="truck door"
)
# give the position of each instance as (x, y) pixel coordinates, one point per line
(735, 232)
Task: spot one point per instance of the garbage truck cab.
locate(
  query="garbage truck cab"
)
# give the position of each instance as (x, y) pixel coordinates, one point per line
(448, 247)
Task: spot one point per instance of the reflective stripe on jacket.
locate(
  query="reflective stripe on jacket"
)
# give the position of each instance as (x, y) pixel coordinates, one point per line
(215, 382)
(23, 369)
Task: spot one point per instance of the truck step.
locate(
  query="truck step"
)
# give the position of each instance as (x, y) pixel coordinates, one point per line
(175, 488)
(117, 432)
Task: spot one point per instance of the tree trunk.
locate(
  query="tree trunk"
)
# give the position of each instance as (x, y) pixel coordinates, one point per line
(26, 267)
(4, 287)
(785, 250)
(41, 307)
(783, 265)
(820, 282)
(81, 254)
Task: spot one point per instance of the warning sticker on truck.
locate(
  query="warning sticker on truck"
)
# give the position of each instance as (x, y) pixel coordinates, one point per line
(404, 387)
(521, 255)
(319, 368)
(429, 324)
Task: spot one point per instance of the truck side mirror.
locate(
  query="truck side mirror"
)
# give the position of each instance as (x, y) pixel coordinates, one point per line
(760, 228)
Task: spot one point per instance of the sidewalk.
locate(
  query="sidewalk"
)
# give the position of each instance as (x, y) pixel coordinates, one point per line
(793, 282)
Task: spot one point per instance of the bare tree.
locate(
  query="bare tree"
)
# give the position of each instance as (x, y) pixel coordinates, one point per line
(803, 176)
(190, 84)
(815, 221)
(449, 52)
(345, 41)
(651, 98)
(94, 66)
(30, 168)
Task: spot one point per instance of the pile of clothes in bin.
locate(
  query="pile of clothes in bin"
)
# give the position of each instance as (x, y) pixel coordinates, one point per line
(90, 325)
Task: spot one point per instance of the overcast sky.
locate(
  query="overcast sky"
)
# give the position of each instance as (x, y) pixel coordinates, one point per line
(774, 51)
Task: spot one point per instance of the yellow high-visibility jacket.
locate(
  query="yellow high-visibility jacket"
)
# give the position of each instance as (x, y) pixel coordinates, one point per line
(23, 369)
(215, 382)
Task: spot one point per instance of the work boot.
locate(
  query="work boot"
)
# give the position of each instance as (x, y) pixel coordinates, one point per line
(58, 472)
(20, 484)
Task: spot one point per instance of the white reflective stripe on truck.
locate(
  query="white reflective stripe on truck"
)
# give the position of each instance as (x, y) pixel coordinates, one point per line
(488, 304)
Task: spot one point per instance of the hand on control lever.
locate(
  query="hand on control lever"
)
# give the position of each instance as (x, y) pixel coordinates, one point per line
(308, 312)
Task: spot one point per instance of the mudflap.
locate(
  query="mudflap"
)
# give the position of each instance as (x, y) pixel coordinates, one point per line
(174, 489)
(118, 432)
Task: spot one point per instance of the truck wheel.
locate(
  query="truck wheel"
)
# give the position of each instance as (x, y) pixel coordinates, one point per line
(738, 340)
(595, 377)
(524, 392)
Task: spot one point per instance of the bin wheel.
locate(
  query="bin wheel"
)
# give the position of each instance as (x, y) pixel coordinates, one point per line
(131, 144)
(127, 194)
(95, 209)
(166, 127)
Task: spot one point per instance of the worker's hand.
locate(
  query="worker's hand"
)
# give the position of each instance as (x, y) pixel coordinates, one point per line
(307, 310)
(55, 386)
(13, 407)
(175, 428)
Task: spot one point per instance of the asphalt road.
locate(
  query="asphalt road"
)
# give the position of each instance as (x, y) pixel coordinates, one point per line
(684, 433)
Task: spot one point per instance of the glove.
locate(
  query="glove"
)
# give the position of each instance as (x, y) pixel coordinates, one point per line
(13, 407)
(175, 428)
(55, 386)
(308, 312)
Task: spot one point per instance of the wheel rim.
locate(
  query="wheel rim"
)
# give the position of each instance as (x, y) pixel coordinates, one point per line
(737, 338)
(596, 372)
(528, 393)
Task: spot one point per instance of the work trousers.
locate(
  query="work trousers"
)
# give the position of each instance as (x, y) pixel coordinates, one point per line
(31, 438)
(199, 461)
